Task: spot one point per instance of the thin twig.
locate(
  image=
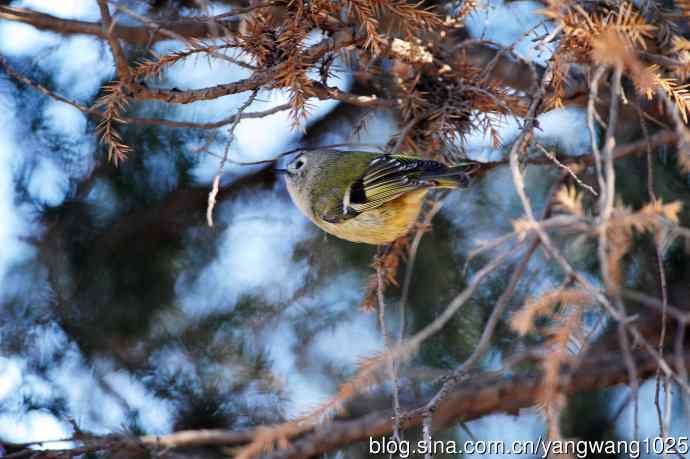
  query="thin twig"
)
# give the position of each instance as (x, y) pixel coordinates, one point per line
(426, 434)
(681, 368)
(661, 284)
(108, 25)
(500, 307)
(677, 313)
(174, 35)
(566, 169)
(591, 115)
(231, 138)
(414, 246)
(606, 202)
(139, 120)
(518, 179)
(392, 369)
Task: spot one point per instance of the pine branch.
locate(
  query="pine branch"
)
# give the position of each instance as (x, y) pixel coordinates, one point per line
(136, 35)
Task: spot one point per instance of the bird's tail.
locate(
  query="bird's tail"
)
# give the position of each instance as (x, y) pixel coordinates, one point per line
(457, 176)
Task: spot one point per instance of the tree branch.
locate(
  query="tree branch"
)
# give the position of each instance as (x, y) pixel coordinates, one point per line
(118, 54)
(203, 27)
(479, 396)
(140, 120)
(264, 78)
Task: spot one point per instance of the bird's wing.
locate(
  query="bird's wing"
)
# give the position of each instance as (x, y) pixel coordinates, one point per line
(387, 178)
(329, 207)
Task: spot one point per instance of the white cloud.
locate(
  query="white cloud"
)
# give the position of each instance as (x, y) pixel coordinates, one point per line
(60, 150)
(155, 415)
(506, 24)
(84, 10)
(33, 426)
(94, 407)
(528, 426)
(349, 341)
(18, 39)
(343, 345)
(13, 224)
(65, 119)
(10, 376)
(161, 171)
(79, 66)
(254, 255)
(302, 390)
(102, 200)
(48, 184)
(647, 421)
(567, 129)
(75, 61)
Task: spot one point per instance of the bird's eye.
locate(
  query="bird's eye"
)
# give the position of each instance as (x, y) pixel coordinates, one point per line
(296, 165)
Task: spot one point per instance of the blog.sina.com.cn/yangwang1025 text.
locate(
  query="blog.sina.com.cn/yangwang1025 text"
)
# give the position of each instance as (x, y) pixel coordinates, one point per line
(543, 448)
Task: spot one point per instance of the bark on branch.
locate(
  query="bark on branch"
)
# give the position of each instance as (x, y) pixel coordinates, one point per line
(479, 396)
(135, 35)
(505, 66)
(510, 70)
(112, 39)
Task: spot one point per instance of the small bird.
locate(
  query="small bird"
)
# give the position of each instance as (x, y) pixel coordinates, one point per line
(367, 197)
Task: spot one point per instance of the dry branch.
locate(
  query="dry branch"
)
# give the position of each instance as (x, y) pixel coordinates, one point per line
(136, 35)
(108, 26)
(479, 396)
(507, 68)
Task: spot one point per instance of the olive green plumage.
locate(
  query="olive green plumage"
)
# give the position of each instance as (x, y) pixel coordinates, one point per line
(363, 196)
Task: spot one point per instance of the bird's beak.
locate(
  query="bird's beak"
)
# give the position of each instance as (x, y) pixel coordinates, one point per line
(280, 171)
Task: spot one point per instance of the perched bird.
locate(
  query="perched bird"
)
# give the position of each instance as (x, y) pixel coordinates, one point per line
(363, 196)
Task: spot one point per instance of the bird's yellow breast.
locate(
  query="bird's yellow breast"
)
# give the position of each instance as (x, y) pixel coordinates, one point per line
(381, 225)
